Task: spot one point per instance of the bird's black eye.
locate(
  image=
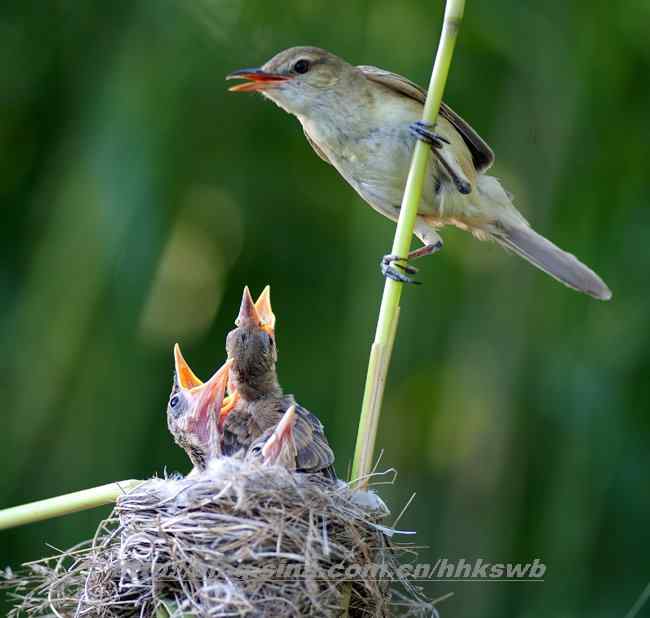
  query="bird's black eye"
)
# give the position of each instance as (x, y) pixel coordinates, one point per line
(301, 66)
(256, 450)
(173, 402)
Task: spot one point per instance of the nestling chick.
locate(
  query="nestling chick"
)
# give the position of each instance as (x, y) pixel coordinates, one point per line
(276, 446)
(257, 402)
(193, 411)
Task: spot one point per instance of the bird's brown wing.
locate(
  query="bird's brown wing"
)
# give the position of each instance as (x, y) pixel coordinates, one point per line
(238, 431)
(482, 154)
(314, 454)
(316, 147)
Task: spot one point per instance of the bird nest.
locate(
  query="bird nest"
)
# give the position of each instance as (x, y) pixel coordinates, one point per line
(236, 540)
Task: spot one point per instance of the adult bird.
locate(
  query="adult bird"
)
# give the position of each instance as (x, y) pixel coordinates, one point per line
(193, 411)
(257, 402)
(363, 120)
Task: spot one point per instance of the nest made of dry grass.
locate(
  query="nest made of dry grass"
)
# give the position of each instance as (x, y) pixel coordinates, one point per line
(211, 545)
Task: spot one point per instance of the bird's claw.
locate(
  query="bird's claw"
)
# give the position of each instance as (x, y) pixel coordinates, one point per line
(389, 270)
(422, 130)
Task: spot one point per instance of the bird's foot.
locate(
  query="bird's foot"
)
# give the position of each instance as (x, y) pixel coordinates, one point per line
(422, 130)
(389, 265)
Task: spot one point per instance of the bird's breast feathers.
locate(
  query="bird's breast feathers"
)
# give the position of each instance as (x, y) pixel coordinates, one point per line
(373, 153)
(372, 157)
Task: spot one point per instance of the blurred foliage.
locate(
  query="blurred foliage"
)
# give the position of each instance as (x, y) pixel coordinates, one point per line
(138, 197)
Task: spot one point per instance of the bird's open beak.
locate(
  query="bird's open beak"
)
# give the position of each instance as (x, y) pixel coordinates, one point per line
(258, 313)
(281, 435)
(210, 399)
(247, 311)
(185, 376)
(266, 315)
(258, 80)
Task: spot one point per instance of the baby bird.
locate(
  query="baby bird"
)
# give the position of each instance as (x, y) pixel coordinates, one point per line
(257, 403)
(267, 324)
(277, 446)
(193, 409)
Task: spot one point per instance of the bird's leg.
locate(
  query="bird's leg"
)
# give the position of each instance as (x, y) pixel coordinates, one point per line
(428, 249)
(423, 131)
(389, 263)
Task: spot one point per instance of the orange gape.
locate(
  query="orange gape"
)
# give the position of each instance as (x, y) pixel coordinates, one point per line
(228, 405)
(264, 311)
(186, 377)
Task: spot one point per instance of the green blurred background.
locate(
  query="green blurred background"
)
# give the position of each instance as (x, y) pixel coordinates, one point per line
(139, 196)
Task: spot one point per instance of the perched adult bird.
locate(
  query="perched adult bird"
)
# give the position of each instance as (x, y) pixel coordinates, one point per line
(257, 401)
(193, 411)
(277, 445)
(363, 120)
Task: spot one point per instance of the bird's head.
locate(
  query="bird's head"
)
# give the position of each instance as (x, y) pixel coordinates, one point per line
(193, 409)
(251, 345)
(276, 446)
(298, 79)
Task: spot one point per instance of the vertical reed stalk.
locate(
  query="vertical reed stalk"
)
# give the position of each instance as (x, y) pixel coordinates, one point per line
(382, 346)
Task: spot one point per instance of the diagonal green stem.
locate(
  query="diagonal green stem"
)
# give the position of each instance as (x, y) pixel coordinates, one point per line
(382, 347)
(64, 505)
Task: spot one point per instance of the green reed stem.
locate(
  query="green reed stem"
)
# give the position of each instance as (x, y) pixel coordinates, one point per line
(64, 505)
(382, 346)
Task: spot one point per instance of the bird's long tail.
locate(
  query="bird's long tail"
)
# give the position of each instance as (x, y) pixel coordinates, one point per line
(512, 231)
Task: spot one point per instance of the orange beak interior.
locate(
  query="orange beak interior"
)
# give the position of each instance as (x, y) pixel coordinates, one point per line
(265, 312)
(184, 374)
(227, 407)
(258, 80)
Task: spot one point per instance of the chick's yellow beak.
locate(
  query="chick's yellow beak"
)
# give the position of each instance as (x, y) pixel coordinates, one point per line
(265, 312)
(185, 375)
(248, 314)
